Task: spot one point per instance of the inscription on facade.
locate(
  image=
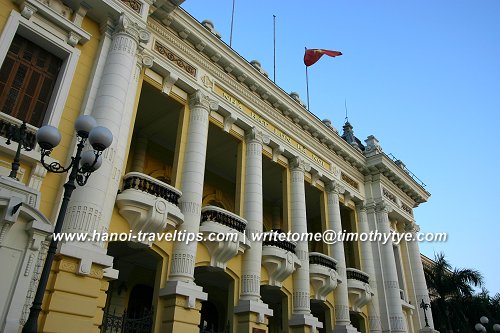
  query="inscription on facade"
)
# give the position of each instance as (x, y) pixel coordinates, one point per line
(261, 120)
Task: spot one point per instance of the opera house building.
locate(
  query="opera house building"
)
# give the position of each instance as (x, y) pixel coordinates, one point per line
(206, 153)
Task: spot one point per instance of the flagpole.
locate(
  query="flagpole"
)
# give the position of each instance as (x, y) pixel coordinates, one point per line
(307, 85)
(274, 47)
(231, 33)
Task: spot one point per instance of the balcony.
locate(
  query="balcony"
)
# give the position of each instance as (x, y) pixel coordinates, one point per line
(149, 205)
(360, 292)
(279, 259)
(223, 234)
(323, 275)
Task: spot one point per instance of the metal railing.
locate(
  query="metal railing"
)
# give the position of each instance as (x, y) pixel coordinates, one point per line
(356, 274)
(316, 258)
(145, 183)
(400, 164)
(124, 323)
(224, 217)
(284, 244)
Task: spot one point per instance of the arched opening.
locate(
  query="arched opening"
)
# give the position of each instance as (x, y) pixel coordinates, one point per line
(217, 311)
(358, 321)
(321, 311)
(140, 300)
(131, 301)
(278, 302)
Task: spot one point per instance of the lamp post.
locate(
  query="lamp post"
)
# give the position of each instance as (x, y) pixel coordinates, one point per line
(484, 320)
(80, 168)
(17, 134)
(424, 306)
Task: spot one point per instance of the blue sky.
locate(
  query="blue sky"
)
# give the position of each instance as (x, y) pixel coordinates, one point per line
(422, 76)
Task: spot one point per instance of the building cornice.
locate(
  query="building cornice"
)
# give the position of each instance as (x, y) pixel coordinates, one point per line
(237, 76)
(257, 87)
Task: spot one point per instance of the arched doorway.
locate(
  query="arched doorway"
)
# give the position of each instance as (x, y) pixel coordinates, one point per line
(321, 311)
(277, 301)
(217, 311)
(358, 321)
(130, 302)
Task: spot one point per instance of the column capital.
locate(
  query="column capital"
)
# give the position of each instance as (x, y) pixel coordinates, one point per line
(334, 186)
(382, 206)
(298, 164)
(145, 59)
(132, 29)
(200, 99)
(253, 135)
(362, 206)
(411, 227)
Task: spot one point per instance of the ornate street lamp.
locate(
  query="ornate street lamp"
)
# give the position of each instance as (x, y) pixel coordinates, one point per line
(484, 320)
(19, 135)
(80, 168)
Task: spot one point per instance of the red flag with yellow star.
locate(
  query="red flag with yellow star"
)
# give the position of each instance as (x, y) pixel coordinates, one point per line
(313, 55)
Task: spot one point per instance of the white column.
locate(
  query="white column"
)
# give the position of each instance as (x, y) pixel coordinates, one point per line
(368, 266)
(390, 276)
(253, 212)
(342, 320)
(301, 288)
(90, 209)
(193, 173)
(181, 279)
(419, 284)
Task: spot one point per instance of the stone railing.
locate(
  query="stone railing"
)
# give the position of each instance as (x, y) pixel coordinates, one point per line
(274, 241)
(316, 258)
(356, 274)
(224, 217)
(145, 183)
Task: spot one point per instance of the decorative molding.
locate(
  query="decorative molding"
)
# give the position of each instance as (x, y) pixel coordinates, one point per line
(135, 5)
(406, 208)
(351, 182)
(181, 63)
(389, 195)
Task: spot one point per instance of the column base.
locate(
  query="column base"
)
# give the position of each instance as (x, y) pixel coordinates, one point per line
(180, 307)
(252, 316)
(73, 302)
(427, 330)
(304, 323)
(345, 329)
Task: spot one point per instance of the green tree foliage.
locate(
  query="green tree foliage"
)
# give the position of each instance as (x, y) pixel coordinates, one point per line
(456, 307)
